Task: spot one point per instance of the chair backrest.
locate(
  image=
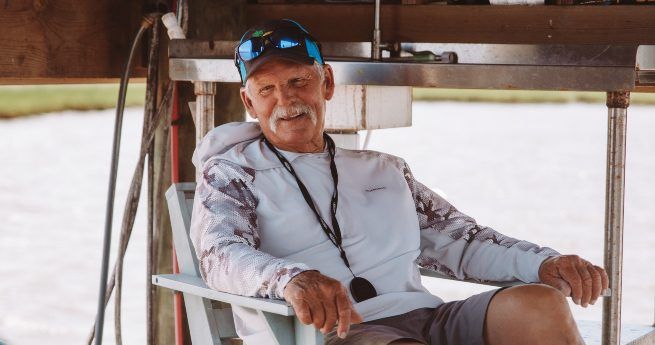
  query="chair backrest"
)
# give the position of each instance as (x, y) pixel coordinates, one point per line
(180, 205)
(207, 324)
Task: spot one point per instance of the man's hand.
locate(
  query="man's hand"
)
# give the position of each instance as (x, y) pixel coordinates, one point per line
(322, 301)
(574, 277)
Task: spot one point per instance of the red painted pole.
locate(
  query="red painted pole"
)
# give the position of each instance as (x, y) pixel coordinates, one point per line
(175, 177)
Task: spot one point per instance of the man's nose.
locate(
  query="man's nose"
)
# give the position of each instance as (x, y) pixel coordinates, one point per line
(285, 96)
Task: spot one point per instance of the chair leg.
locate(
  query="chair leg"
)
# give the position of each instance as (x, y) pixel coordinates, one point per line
(280, 328)
(307, 334)
(202, 325)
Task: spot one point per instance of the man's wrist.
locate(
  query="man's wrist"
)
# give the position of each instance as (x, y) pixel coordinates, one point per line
(543, 263)
(293, 276)
(281, 277)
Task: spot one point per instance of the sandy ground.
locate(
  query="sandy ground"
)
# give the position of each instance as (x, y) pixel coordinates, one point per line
(535, 172)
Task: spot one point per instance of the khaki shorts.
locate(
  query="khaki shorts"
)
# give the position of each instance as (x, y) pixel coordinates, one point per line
(452, 323)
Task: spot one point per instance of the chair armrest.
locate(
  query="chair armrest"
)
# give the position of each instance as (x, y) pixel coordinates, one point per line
(428, 273)
(195, 286)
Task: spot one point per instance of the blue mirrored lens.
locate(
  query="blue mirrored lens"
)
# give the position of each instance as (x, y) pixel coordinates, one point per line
(286, 42)
(281, 39)
(285, 38)
(249, 50)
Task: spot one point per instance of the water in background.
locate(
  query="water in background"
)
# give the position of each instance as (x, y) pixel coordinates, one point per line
(535, 172)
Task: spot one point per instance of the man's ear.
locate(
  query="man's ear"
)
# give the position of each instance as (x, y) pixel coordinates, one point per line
(247, 102)
(328, 82)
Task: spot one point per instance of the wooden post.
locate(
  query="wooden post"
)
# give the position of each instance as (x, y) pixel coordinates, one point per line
(211, 20)
(163, 330)
(162, 300)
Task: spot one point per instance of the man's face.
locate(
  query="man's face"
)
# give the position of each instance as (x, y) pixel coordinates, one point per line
(288, 99)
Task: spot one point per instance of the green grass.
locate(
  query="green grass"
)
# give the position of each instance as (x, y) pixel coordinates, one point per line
(18, 101)
(24, 100)
(522, 96)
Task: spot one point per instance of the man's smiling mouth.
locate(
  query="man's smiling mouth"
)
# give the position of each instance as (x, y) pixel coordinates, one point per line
(293, 117)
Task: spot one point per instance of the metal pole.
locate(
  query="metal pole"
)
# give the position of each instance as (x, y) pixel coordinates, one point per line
(205, 92)
(376, 53)
(617, 104)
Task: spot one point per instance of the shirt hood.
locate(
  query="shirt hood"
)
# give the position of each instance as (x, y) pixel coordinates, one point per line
(240, 143)
(225, 138)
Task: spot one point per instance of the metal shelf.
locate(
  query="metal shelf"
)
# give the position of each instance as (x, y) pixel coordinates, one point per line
(457, 76)
(481, 66)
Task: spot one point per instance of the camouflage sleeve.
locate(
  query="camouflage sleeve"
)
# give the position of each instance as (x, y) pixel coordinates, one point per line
(225, 235)
(452, 243)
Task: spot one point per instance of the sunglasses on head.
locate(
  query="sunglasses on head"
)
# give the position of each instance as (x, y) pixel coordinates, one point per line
(281, 39)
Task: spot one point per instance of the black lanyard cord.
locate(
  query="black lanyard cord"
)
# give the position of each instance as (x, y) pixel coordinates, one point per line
(360, 288)
(333, 235)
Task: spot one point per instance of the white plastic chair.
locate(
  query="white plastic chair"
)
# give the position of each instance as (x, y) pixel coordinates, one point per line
(213, 326)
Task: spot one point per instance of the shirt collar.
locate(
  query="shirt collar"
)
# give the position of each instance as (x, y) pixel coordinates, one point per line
(291, 156)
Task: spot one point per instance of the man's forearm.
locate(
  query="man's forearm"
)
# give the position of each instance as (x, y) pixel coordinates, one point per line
(481, 260)
(453, 243)
(224, 232)
(240, 269)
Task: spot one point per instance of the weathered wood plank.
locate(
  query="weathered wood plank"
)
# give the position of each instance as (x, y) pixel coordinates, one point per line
(471, 24)
(43, 41)
(163, 330)
(47, 41)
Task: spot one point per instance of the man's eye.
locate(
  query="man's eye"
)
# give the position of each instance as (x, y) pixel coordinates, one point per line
(265, 90)
(299, 82)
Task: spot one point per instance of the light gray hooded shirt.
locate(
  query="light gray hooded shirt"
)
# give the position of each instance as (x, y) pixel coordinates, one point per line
(253, 231)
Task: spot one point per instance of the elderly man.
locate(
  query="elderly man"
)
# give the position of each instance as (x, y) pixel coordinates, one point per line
(280, 212)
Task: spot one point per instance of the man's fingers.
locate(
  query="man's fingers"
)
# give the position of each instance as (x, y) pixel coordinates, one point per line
(597, 283)
(570, 274)
(318, 313)
(603, 277)
(302, 312)
(344, 309)
(587, 282)
(560, 285)
(574, 277)
(344, 323)
(347, 315)
(330, 316)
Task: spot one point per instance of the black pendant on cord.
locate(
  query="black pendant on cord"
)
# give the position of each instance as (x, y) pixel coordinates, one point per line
(360, 288)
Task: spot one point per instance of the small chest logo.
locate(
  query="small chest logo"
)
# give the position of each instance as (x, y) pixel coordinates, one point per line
(374, 188)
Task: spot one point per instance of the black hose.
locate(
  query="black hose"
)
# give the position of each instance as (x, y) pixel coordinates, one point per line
(150, 109)
(100, 315)
(132, 202)
(149, 125)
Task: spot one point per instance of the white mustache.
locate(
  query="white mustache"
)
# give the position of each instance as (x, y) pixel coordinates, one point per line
(285, 112)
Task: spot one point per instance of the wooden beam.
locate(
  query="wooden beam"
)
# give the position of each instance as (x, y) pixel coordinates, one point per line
(66, 80)
(627, 24)
(66, 40)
